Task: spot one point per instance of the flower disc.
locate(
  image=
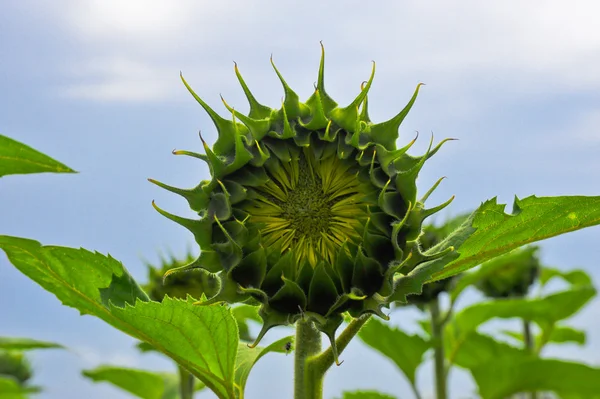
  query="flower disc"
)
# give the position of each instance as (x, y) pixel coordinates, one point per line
(309, 206)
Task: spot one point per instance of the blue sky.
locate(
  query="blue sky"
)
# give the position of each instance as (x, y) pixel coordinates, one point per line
(96, 85)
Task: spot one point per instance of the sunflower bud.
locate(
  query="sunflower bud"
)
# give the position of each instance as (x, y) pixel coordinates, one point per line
(511, 275)
(194, 282)
(311, 209)
(16, 365)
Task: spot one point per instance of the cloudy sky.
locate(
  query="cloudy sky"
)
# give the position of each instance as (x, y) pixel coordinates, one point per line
(95, 83)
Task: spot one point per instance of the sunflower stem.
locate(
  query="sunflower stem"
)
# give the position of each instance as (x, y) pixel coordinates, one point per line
(317, 365)
(307, 344)
(529, 347)
(437, 329)
(186, 384)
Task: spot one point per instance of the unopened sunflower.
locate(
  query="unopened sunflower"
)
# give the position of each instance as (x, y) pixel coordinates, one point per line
(311, 210)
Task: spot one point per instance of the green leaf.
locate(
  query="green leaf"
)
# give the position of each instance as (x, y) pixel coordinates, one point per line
(75, 276)
(366, 395)
(563, 334)
(478, 349)
(405, 350)
(203, 339)
(247, 358)
(558, 334)
(10, 389)
(547, 310)
(18, 158)
(489, 232)
(505, 376)
(23, 344)
(573, 277)
(143, 384)
(544, 311)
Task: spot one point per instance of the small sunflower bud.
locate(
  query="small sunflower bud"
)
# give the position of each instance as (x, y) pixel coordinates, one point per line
(513, 277)
(194, 282)
(15, 364)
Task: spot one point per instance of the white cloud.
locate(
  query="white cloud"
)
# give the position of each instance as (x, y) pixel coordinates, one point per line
(537, 49)
(120, 79)
(116, 20)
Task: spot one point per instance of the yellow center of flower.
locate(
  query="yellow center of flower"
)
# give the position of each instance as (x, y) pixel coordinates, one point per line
(309, 206)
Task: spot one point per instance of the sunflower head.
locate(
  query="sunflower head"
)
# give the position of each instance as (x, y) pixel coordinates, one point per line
(16, 365)
(311, 209)
(510, 275)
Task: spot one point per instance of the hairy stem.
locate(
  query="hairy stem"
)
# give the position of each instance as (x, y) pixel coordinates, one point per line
(318, 365)
(437, 331)
(307, 344)
(186, 384)
(529, 346)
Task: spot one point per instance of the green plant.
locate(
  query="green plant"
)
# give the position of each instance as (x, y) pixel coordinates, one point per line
(15, 368)
(499, 368)
(312, 215)
(144, 384)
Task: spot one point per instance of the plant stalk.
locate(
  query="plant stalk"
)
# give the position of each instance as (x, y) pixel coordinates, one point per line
(317, 365)
(307, 344)
(186, 384)
(437, 330)
(529, 346)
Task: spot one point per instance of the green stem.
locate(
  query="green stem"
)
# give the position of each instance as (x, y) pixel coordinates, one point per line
(415, 391)
(437, 330)
(186, 384)
(307, 344)
(317, 366)
(529, 346)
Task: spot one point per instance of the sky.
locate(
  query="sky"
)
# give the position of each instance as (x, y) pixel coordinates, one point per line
(95, 84)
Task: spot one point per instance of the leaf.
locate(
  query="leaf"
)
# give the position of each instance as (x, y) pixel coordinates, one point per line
(143, 384)
(75, 276)
(505, 376)
(413, 282)
(203, 339)
(405, 350)
(573, 277)
(489, 232)
(18, 158)
(547, 310)
(562, 334)
(479, 349)
(366, 395)
(544, 311)
(23, 344)
(10, 389)
(247, 358)
(558, 334)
